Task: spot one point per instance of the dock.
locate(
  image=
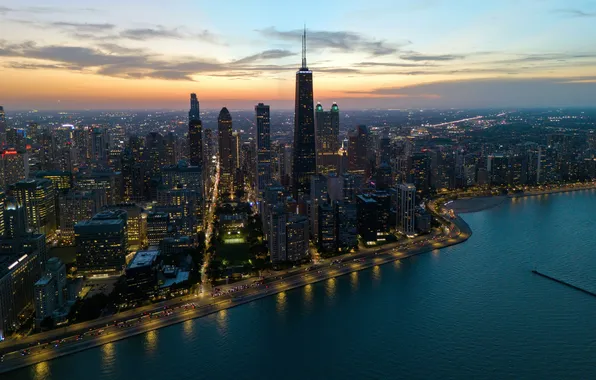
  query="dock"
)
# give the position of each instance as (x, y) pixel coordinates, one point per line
(564, 283)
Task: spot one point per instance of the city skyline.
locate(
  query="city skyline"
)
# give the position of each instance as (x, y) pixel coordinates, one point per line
(429, 54)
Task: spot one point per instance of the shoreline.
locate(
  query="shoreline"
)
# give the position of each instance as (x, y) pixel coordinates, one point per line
(388, 255)
(471, 204)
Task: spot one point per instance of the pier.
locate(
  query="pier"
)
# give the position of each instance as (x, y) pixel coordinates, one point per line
(564, 283)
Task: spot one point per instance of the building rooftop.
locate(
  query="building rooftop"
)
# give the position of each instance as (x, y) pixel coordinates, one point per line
(366, 199)
(99, 222)
(181, 276)
(9, 262)
(143, 259)
(44, 280)
(407, 186)
(111, 214)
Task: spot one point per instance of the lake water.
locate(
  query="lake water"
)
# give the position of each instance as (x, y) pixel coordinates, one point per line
(470, 311)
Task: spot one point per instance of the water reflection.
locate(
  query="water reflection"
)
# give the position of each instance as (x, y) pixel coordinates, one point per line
(222, 321)
(354, 281)
(330, 287)
(188, 328)
(397, 264)
(308, 295)
(108, 355)
(376, 273)
(41, 371)
(281, 301)
(151, 341)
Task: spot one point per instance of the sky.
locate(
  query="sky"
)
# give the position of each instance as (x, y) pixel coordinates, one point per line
(132, 54)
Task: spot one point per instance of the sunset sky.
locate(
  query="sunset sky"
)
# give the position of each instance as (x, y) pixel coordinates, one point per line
(376, 53)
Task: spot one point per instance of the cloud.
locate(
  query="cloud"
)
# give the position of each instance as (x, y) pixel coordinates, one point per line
(391, 64)
(160, 32)
(106, 32)
(37, 66)
(429, 57)
(266, 55)
(83, 27)
(145, 34)
(42, 10)
(495, 92)
(570, 12)
(342, 41)
(546, 57)
(119, 49)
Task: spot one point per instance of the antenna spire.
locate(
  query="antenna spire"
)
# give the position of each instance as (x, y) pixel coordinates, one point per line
(304, 48)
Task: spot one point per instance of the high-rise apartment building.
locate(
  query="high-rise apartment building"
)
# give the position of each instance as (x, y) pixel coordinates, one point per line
(14, 166)
(358, 151)
(297, 238)
(263, 169)
(50, 291)
(76, 206)
(277, 233)
(405, 210)
(101, 243)
(38, 196)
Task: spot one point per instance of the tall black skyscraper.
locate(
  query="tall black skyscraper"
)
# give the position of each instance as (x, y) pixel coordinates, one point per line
(304, 164)
(195, 133)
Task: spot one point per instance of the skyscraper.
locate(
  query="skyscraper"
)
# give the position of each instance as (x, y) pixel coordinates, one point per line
(406, 202)
(304, 164)
(39, 199)
(154, 153)
(2, 127)
(358, 152)
(263, 149)
(226, 160)
(195, 133)
(101, 243)
(327, 132)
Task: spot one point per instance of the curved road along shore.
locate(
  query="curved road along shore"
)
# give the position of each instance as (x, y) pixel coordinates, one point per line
(52, 344)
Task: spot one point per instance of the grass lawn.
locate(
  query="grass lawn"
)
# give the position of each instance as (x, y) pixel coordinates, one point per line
(234, 253)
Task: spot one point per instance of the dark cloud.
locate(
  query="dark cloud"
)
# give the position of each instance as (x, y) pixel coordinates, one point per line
(570, 12)
(84, 27)
(429, 57)
(266, 55)
(342, 41)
